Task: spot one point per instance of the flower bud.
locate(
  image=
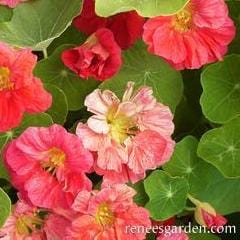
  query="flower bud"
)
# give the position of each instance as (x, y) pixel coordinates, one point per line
(206, 215)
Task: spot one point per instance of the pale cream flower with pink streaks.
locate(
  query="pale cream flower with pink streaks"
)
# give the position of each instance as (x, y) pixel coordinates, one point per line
(130, 136)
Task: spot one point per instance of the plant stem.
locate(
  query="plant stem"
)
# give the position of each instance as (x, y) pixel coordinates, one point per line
(45, 54)
(190, 209)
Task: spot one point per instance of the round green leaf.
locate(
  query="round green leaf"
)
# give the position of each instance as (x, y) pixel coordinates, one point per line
(5, 207)
(53, 71)
(221, 147)
(37, 23)
(5, 14)
(221, 90)
(146, 8)
(167, 194)
(59, 108)
(205, 181)
(184, 159)
(145, 69)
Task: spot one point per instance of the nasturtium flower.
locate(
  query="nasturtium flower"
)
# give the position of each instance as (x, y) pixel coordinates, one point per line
(99, 57)
(20, 91)
(108, 214)
(31, 223)
(198, 34)
(48, 165)
(130, 136)
(11, 3)
(126, 27)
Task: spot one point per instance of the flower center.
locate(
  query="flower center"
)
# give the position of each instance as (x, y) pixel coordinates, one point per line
(104, 215)
(183, 20)
(56, 158)
(5, 83)
(26, 224)
(121, 126)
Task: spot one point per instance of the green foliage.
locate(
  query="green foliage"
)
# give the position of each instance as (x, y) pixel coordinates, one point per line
(205, 181)
(234, 9)
(167, 194)
(221, 90)
(5, 207)
(203, 236)
(70, 36)
(53, 71)
(145, 69)
(221, 147)
(141, 198)
(59, 108)
(205, 103)
(146, 8)
(37, 23)
(5, 14)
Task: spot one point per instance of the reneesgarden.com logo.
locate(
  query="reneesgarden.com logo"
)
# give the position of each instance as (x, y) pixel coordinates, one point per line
(188, 229)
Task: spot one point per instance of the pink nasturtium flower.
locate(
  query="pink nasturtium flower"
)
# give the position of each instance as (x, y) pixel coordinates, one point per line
(130, 136)
(99, 57)
(11, 3)
(20, 91)
(108, 214)
(198, 34)
(206, 215)
(30, 223)
(126, 27)
(48, 165)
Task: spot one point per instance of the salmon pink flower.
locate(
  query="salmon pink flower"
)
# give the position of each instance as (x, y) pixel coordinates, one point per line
(107, 214)
(20, 91)
(56, 225)
(120, 133)
(11, 3)
(30, 223)
(126, 27)
(99, 57)
(48, 165)
(206, 215)
(22, 224)
(198, 34)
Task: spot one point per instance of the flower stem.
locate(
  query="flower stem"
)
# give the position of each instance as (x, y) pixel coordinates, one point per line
(45, 54)
(190, 209)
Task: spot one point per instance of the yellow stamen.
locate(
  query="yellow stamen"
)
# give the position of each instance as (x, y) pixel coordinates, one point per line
(26, 224)
(183, 20)
(120, 125)
(104, 215)
(5, 82)
(56, 158)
